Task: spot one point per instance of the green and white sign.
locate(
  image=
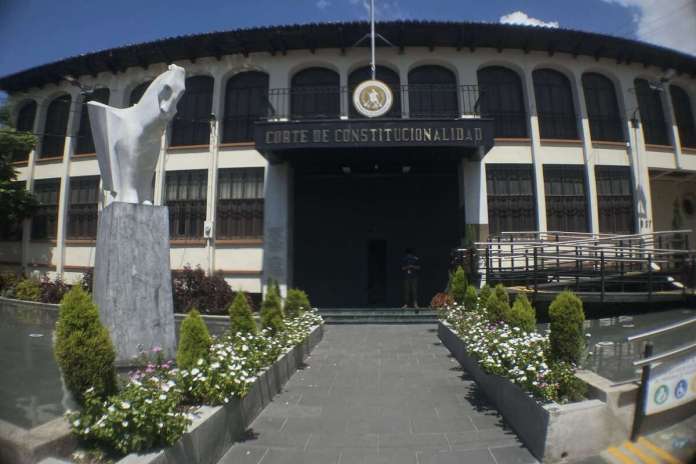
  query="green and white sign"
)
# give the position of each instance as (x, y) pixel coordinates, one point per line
(671, 384)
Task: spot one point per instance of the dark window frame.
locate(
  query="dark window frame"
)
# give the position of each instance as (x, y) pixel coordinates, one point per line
(26, 117)
(246, 101)
(44, 222)
(432, 92)
(56, 127)
(315, 93)
(502, 98)
(85, 141)
(191, 125)
(83, 208)
(602, 106)
(615, 199)
(138, 92)
(511, 197)
(683, 116)
(555, 105)
(186, 195)
(652, 114)
(240, 204)
(565, 191)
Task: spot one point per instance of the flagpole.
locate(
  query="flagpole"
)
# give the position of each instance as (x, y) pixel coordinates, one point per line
(372, 37)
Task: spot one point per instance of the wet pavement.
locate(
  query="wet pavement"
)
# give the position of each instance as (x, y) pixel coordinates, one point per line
(379, 394)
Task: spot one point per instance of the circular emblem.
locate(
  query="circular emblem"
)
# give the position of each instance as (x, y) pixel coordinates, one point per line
(661, 394)
(680, 389)
(372, 98)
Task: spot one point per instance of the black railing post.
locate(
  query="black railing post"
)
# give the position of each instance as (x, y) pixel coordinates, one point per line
(578, 267)
(488, 263)
(500, 257)
(526, 267)
(642, 398)
(535, 272)
(601, 275)
(558, 261)
(650, 270)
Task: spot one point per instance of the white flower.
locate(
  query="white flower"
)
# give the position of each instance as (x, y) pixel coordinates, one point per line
(215, 365)
(112, 409)
(125, 405)
(245, 348)
(160, 425)
(195, 371)
(200, 362)
(76, 423)
(124, 423)
(148, 401)
(162, 397)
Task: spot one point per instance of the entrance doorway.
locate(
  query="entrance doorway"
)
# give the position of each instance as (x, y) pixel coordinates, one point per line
(354, 221)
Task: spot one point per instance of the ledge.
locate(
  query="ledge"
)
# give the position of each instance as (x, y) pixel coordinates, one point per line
(82, 269)
(80, 242)
(550, 431)
(187, 243)
(52, 242)
(664, 148)
(608, 144)
(83, 156)
(216, 428)
(205, 147)
(565, 142)
(239, 273)
(238, 145)
(688, 151)
(20, 164)
(513, 140)
(49, 160)
(251, 242)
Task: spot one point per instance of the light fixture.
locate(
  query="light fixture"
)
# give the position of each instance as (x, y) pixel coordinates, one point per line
(345, 169)
(405, 169)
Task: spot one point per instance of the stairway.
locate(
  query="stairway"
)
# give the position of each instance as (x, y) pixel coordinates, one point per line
(643, 451)
(378, 316)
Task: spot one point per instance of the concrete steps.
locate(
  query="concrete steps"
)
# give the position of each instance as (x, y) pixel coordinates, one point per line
(643, 451)
(378, 316)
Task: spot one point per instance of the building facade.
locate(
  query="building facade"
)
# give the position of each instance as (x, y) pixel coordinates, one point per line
(269, 171)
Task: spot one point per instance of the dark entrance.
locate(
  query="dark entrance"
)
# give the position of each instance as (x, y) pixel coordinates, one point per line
(353, 221)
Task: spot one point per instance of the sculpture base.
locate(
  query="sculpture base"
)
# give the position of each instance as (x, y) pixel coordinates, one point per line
(132, 279)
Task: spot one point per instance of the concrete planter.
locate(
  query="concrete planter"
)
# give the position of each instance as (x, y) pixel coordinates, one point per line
(216, 428)
(552, 432)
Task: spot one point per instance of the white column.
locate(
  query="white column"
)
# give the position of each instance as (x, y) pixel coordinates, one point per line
(535, 145)
(636, 155)
(277, 263)
(39, 125)
(474, 199)
(403, 81)
(64, 197)
(585, 137)
(672, 129)
(215, 137)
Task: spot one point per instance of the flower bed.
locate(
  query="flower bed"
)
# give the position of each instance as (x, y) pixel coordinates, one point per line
(158, 403)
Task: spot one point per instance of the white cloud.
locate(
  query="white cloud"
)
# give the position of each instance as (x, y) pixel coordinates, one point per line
(323, 4)
(520, 17)
(668, 23)
(384, 10)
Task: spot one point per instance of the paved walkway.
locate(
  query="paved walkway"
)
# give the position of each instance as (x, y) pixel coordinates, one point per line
(377, 394)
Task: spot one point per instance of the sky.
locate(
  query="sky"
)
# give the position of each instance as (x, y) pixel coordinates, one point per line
(35, 32)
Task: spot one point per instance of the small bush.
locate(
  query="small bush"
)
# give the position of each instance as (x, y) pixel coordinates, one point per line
(458, 285)
(498, 304)
(194, 340)
(53, 291)
(87, 280)
(271, 310)
(192, 288)
(83, 347)
(471, 299)
(28, 290)
(241, 319)
(296, 303)
(522, 314)
(441, 300)
(567, 317)
(483, 296)
(8, 281)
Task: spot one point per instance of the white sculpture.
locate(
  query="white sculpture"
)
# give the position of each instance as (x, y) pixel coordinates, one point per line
(127, 140)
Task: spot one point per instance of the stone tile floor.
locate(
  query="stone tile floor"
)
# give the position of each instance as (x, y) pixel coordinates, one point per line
(378, 394)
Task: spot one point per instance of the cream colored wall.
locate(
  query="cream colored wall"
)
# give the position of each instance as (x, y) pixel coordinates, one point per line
(664, 194)
(280, 68)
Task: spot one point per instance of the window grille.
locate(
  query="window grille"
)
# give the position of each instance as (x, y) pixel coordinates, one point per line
(83, 209)
(85, 142)
(56, 126)
(137, 93)
(554, 101)
(615, 199)
(602, 108)
(246, 101)
(502, 99)
(684, 116)
(432, 92)
(315, 93)
(652, 116)
(511, 199)
(44, 222)
(240, 203)
(566, 202)
(191, 125)
(185, 195)
(25, 123)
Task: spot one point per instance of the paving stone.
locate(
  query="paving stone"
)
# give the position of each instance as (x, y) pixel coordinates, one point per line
(389, 456)
(416, 441)
(276, 456)
(240, 454)
(479, 456)
(513, 455)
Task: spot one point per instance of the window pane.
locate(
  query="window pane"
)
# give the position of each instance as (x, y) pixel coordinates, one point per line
(186, 199)
(602, 108)
(82, 211)
(44, 222)
(652, 117)
(684, 116)
(501, 98)
(56, 126)
(240, 204)
(511, 204)
(614, 199)
(554, 101)
(246, 101)
(85, 142)
(566, 203)
(432, 92)
(315, 93)
(191, 125)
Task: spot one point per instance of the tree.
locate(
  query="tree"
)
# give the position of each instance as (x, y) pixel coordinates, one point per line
(458, 285)
(296, 303)
(241, 319)
(16, 203)
(272, 311)
(567, 320)
(194, 340)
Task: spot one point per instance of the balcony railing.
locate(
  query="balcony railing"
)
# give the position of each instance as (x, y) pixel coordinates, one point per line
(410, 101)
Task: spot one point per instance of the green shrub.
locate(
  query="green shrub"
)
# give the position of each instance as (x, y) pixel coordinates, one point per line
(458, 285)
(567, 317)
(296, 303)
(470, 299)
(83, 347)
(271, 310)
(194, 340)
(241, 319)
(28, 290)
(483, 296)
(522, 314)
(498, 304)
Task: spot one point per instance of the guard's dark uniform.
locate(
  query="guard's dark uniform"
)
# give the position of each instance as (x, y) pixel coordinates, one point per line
(410, 267)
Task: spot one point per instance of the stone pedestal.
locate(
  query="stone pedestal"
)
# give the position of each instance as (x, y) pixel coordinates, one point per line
(132, 279)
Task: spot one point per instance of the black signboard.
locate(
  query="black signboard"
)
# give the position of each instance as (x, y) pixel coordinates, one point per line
(292, 135)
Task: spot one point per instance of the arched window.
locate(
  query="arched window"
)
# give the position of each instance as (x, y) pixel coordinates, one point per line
(246, 101)
(554, 101)
(602, 108)
(315, 93)
(652, 116)
(85, 142)
(684, 116)
(383, 74)
(25, 123)
(56, 126)
(502, 99)
(432, 92)
(191, 125)
(137, 93)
